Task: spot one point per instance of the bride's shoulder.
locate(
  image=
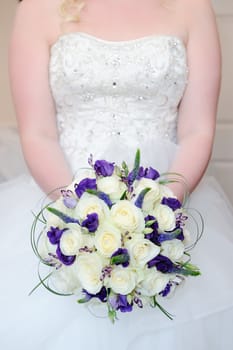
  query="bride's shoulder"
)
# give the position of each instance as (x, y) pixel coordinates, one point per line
(194, 8)
(40, 18)
(39, 11)
(199, 15)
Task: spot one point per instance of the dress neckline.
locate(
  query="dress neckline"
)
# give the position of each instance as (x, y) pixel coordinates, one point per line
(119, 42)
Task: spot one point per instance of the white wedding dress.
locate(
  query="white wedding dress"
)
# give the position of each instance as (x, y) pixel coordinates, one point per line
(111, 98)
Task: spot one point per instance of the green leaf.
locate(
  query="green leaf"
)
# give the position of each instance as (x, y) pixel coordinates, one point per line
(147, 230)
(66, 218)
(124, 195)
(119, 259)
(125, 168)
(136, 165)
(82, 301)
(188, 269)
(112, 315)
(150, 222)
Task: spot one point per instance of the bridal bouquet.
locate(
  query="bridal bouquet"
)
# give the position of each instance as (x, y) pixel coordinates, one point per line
(116, 237)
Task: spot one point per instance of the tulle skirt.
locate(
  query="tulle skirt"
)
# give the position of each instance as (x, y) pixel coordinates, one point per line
(202, 306)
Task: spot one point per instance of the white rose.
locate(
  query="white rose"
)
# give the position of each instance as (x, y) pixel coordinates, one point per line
(88, 270)
(127, 216)
(173, 249)
(111, 185)
(64, 280)
(90, 203)
(107, 239)
(154, 282)
(165, 216)
(122, 280)
(71, 241)
(152, 197)
(141, 250)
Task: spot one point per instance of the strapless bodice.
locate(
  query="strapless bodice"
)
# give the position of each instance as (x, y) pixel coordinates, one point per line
(126, 91)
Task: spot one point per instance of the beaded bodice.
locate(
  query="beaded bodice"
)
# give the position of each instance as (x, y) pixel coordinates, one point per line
(121, 91)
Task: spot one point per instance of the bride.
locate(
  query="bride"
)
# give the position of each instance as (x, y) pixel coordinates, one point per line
(106, 77)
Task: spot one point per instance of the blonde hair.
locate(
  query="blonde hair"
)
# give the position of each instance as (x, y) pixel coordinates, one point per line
(70, 10)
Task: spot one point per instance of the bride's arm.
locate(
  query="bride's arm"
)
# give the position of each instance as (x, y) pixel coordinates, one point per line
(198, 108)
(34, 105)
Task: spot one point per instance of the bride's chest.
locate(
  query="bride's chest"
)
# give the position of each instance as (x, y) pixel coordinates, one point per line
(86, 67)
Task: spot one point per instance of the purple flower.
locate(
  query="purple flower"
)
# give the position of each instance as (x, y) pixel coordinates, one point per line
(149, 173)
(68, 199)
(85, 184)
(55, 234)
(169, 235)
(91, 222)
(65, 259)
(104, 168)
(172, 203)
(162, 263)
(120, 302)
(120, 257)
(166, 290)
(102, 295)
(154, 235)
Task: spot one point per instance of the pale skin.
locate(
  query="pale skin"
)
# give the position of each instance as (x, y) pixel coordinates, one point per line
(38, 25)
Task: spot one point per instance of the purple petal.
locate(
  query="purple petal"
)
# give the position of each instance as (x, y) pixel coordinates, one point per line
(151, 173)
(65, 259)
(91, 222)
(85, 184)
(104, 168)
(162, 264)
(120, 302)
(102, 295)
(55, 234)
(172, 203)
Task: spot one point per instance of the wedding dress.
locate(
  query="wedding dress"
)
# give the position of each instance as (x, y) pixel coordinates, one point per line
(113, 97)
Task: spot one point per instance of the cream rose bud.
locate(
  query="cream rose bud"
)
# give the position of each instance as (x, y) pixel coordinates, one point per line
(88, 270)
(154, 282)
(112, 185)
(173, 249)
(152, 197)
(127, 217)
(107, 239)
(141, 250)
(165, 217)
(90, 203)
(122, 280)
(71, 241)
